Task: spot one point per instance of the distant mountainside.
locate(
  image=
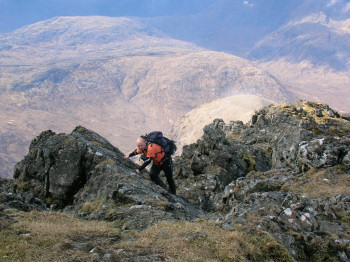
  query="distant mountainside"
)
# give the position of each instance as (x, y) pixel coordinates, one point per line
(189, 128)
(316, 38)
(226, 25)
(311, 52)
(61, 39)
(311, 56)
(304, 44)
(233, 26)
(125, 76)
(113, 75)
(237, 26)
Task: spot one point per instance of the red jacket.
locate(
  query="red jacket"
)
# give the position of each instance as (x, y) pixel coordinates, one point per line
(155, 152)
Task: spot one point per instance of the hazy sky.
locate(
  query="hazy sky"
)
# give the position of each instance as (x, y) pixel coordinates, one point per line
(17, 13)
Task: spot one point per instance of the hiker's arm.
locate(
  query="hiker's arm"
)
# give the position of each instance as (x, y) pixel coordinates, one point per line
(133, 153)
(146, 163)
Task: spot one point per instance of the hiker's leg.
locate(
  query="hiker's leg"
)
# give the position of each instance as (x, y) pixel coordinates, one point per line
(168, 170)
(154, 175)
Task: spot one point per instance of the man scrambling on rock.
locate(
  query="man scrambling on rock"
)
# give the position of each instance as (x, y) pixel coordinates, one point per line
(161, 161)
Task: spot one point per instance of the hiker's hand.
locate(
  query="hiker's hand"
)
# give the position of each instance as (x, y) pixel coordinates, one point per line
(126, 157)
(137, 171)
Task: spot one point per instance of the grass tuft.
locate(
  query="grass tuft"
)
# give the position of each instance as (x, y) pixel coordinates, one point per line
(318, 183)
(93, 206)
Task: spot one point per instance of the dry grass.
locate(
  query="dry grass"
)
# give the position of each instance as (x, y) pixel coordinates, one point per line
(321, 183)
(204, 241)
(44, 236)
(309, 107)
(250, 160)
(51, 236)
(94, 205)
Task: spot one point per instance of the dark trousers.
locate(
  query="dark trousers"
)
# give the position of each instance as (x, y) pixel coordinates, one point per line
(167, 167)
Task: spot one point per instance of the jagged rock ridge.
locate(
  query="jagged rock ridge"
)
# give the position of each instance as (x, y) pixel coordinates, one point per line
(280, 165)
(271, 174)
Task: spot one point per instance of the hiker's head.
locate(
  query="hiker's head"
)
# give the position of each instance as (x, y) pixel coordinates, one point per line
(141, 143)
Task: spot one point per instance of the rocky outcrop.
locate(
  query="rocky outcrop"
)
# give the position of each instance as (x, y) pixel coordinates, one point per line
(269, 161)
(286, 172)
(212, 163)
(83, 173)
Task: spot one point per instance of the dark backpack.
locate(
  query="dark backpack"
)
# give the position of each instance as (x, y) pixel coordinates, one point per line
(157, 137)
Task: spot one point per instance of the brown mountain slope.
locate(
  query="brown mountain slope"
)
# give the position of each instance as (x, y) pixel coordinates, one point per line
(310, 56)
(315, 83)
(113, 76)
